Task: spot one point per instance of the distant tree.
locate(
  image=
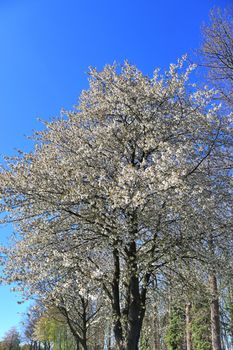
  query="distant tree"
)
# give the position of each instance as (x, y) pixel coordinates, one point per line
(217, 57)
(217, 51)
(52, 330)
(175, 335)
(29, 325)
(201, 326)
(217, 54)
(11, 340)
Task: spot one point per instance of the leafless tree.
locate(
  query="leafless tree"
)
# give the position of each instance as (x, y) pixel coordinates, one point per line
(217, 51)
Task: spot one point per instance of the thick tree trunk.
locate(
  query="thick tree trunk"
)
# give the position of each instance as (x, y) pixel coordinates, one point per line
(215, 318)
(134, 316)
(188, 327)
(134, 310)
(135, 307)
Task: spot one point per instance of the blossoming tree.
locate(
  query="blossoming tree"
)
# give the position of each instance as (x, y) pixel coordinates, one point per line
(115, 191)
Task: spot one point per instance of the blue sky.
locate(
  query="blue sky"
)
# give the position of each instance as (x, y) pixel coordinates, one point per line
(47, 46)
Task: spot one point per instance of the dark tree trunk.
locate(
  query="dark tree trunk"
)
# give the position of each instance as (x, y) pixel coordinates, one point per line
(136, 310)
(77, 343)
(135, 298)
(215, 318)
(117, 327)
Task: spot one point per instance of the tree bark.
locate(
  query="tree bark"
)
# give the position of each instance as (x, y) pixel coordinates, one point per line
(117, 327)
(84, 323)
(134, 321)
(188, 327)
(214, 310)
(77, 344)
(156, 338)
(134, 300)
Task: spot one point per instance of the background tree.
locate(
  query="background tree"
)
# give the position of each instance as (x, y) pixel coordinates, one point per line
(52, 330)
(217, 51)
(11, 340)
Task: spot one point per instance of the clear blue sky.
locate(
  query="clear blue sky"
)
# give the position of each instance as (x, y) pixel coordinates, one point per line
(46, 47)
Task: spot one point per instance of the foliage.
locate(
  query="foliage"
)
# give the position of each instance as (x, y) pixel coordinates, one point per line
(200, 326)
(175, 334)
(52, 328)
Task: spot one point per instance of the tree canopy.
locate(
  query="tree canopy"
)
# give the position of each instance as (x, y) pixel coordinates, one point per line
(133, 184)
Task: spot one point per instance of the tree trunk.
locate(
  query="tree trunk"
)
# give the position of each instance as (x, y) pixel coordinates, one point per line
(117, 327)
(214, 310)
(133, 318)
(156, 337)
(77, 343)
(135, 301)
(134, 315)
(188, 327)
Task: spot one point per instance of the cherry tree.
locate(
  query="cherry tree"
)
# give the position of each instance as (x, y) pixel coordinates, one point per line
(115, 191)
